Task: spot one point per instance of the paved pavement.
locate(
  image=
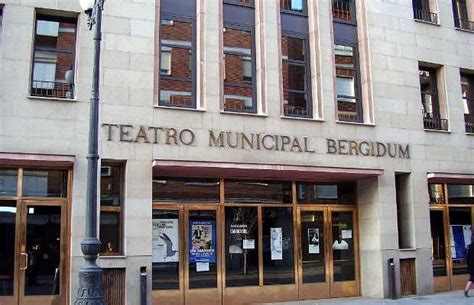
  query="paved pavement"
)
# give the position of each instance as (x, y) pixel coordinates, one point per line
(449, 298)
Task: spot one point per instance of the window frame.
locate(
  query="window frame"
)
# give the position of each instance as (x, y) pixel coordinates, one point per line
(468, 100)
(192, 21)
(46, 16)
(433, 78)
(357, 81)
(119, 210)
(307, 65)
(251, 30)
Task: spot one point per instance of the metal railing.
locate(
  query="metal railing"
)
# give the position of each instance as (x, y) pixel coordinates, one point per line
(52, 89)
(342, 10)
(425, 16)
(464, 24)
(250, 3)
(434, 123)
(292, 5)
(297, 111)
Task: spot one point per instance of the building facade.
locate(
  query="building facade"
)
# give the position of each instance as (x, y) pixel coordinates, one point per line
(251, 151)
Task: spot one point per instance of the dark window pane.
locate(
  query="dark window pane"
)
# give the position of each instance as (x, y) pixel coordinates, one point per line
(347, 83)
(54, 57)
(239, 70)
(45, 183)
(277, 236)
(439, 243)
(294, 77)
(7, 246)
(342, 193)
(166, 251)
(43, 244)
(111, 179)
(257, 191)
(312, 243)
(8, 182)
(460, 227)
(241, 246)
(461, 193)
(176, 62)
(343, 246)
(293, 48)
(436, 192)
(343, 10)
(186, 189)
(110, 232)
(296, 104)
(203, 249)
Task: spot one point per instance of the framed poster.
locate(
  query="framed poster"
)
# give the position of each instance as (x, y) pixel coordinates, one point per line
(313, 241)
(202, 241)
(276, 243)
(460, 236)
(165, 240)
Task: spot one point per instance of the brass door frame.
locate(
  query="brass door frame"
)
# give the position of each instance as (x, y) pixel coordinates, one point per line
(443, 283)
(330, 289)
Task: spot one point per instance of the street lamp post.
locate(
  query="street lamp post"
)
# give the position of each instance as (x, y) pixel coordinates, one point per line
(90, 274)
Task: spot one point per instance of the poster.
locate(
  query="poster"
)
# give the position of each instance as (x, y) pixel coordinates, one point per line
(460, 236)
(313, 241)
(202, 267)
(248, 244)
(276, 243)
(165, 242)
(202, 241)
(346, 234)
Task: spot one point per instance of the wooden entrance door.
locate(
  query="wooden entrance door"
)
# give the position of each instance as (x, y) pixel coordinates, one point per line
(186, 257)
(328, 256)
(33, 237)
(441, 261)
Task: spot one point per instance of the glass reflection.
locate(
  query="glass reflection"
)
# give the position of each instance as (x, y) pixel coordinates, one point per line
(43, 243)
(460, 235)
(312, 243)
(438, 239)
(257, 191)
(343, 246)
(45, 183)
(8, 182)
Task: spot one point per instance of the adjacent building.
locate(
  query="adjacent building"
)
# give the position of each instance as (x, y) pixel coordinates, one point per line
(251, 150)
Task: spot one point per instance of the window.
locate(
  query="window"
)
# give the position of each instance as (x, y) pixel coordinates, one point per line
(461, 15)
(343, 10)
(177, 84)
(54, 57)
(349, 106)
(295, 60)
(467, 87)
(423, 10)
(111, 207)
(406, 238)
(432, 117)
(239, 57)
(319, 193)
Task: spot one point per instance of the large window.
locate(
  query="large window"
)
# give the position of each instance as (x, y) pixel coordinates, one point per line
(177, 83)
(54, 57)
(239, 57)
(423, 10)
(461, 15)
(432, 116)
(111, 206)
(295, 59)
(467, 87)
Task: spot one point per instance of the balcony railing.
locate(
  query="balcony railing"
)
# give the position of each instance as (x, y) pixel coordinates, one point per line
(52, 89)
(292, 6)
(464, 24)
(425, 16)
(435, 123)
(342, 10)
(250, 3)
(295, 111)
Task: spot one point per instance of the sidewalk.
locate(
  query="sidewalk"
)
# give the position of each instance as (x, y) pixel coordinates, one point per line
(448, 298)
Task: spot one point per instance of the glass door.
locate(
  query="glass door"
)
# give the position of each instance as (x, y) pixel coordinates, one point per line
(460, 228)
(313, 268)
(344, 269)
(41, 259)
(203, 275)
(441, 281)
(8, 274)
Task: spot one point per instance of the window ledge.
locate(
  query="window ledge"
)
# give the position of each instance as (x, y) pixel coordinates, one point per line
(464, 30)
(437, 130)
(285, 117)
(355, 123)
(427, 22)
(56, 99)
(244, 113)
(179, 108)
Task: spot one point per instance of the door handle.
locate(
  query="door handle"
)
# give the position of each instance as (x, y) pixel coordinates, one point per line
(26, 261)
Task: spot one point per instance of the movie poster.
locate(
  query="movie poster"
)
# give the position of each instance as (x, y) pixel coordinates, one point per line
(313, 241)
(460, 239)
(276, 243)
(165, 242)
(202, 241)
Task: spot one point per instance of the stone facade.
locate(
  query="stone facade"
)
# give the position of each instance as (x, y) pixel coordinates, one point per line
(391, 46)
